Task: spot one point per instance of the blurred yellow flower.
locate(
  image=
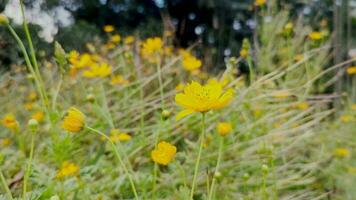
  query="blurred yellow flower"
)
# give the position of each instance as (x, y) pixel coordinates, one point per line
(116, 135)
(281, 94)
(243, 53)
(224, 128)
(191, 63)
(260, 2)
(298, 57)
(98, 71)
(129, 39)
(108, 28)
(115, 38)
(73, 121)
(303, 105)
(152, 46)
(5, 142)
(164, 153)
(342, 152)
(288, 28)
(67, 169)
(316, 36)
(198, 98)
(38, 116)
(32, 96)
(346, 118)
(353, 107)
(28, 106)
(351, 70)
(118, 80)
(10, 122)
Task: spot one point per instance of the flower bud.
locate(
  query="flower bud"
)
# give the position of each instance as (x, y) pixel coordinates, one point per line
(166, 114)
(246, 176)
(3, 19)
(33, 124)
(265, 168)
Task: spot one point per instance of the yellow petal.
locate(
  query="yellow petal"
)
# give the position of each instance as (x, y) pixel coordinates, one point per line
(184, 113)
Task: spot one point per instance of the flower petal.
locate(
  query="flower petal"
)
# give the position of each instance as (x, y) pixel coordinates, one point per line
(184, 113)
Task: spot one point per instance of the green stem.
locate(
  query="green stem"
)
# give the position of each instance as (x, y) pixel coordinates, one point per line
(216, 168)
(116, 152)
(29, 165)
(6, 187)
(199, 155)
(160, 83)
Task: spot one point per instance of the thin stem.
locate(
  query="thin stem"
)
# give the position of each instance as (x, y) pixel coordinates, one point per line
(6, 187)
(116, 152)
(160, 83)
(217, 167)
(29, 165)
(199, 155)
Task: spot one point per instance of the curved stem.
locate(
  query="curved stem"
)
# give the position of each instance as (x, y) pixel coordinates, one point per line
(199, 155)
(211, 192)
(6, 187)
(29, 165)
(116, 152)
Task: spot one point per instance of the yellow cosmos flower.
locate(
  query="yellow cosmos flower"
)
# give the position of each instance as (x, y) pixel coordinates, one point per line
(115, 38)
(108, 28)
(116, 135)
(5, 142)
(191, 63)
(28, 106)
(164, 153)
(10, 122)
(38, 116)
(129, 39)
(85, 60)
(342, 152)
(98, 71)
(198, 98)
(303, 105)
(67, 169)
(32, 96)
(346, 118)
(224, 128)
(316, 36)
(118, 80)
(351, 70)
(260, 2)
(152, 46)
(73, 121)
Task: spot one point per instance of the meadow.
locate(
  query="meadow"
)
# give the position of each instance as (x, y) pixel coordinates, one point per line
(137, 118)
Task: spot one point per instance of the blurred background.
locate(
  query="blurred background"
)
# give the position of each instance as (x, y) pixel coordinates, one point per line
(216, 28)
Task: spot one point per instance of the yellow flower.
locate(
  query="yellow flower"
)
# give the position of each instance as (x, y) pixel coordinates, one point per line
(346, 118)
(298, 57)
(119, 80)
(38, 116)
(342, 152)
(281, 94)
(67, 169)
(3, 19)
(85, 60)
(152, 45)
(73, 121)
(303, 105)
(191, 63)
(28, 106)
(316, 36)
(5, 142)
(260, 2)
(288, 28)
(351, 70)
(164, 153)
(108, 28)
(98, 71)
(198, 98)
(115, 38)
(129, 39)
(224, 128)
(10, 122)
(116, 135)
(243, 53)
(32, 96)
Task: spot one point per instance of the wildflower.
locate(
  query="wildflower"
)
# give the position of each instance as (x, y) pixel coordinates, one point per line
(260, 2)
(351, 70)
(108, 28)
(315, 36)
(152, 45)
(281, 94)
(243, 53)
(98, 71)
(67, 169)
(115, 38)
(303, 105)
(3, 19)
(32, 96)
(191, 63)
(73, 121)
(5, 142)
(342, 152)
(10, 122)
(224, 128)
(346, 118)
(129, 39)
(85, 60)
(198, 98)
(164, 153)
(28, 106)
(119, 80)
(38, 116)
(116, 135)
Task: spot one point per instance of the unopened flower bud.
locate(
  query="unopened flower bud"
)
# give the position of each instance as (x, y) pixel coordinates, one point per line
(3, 19)
(166, 114)
(265, 168)
(33, 124)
